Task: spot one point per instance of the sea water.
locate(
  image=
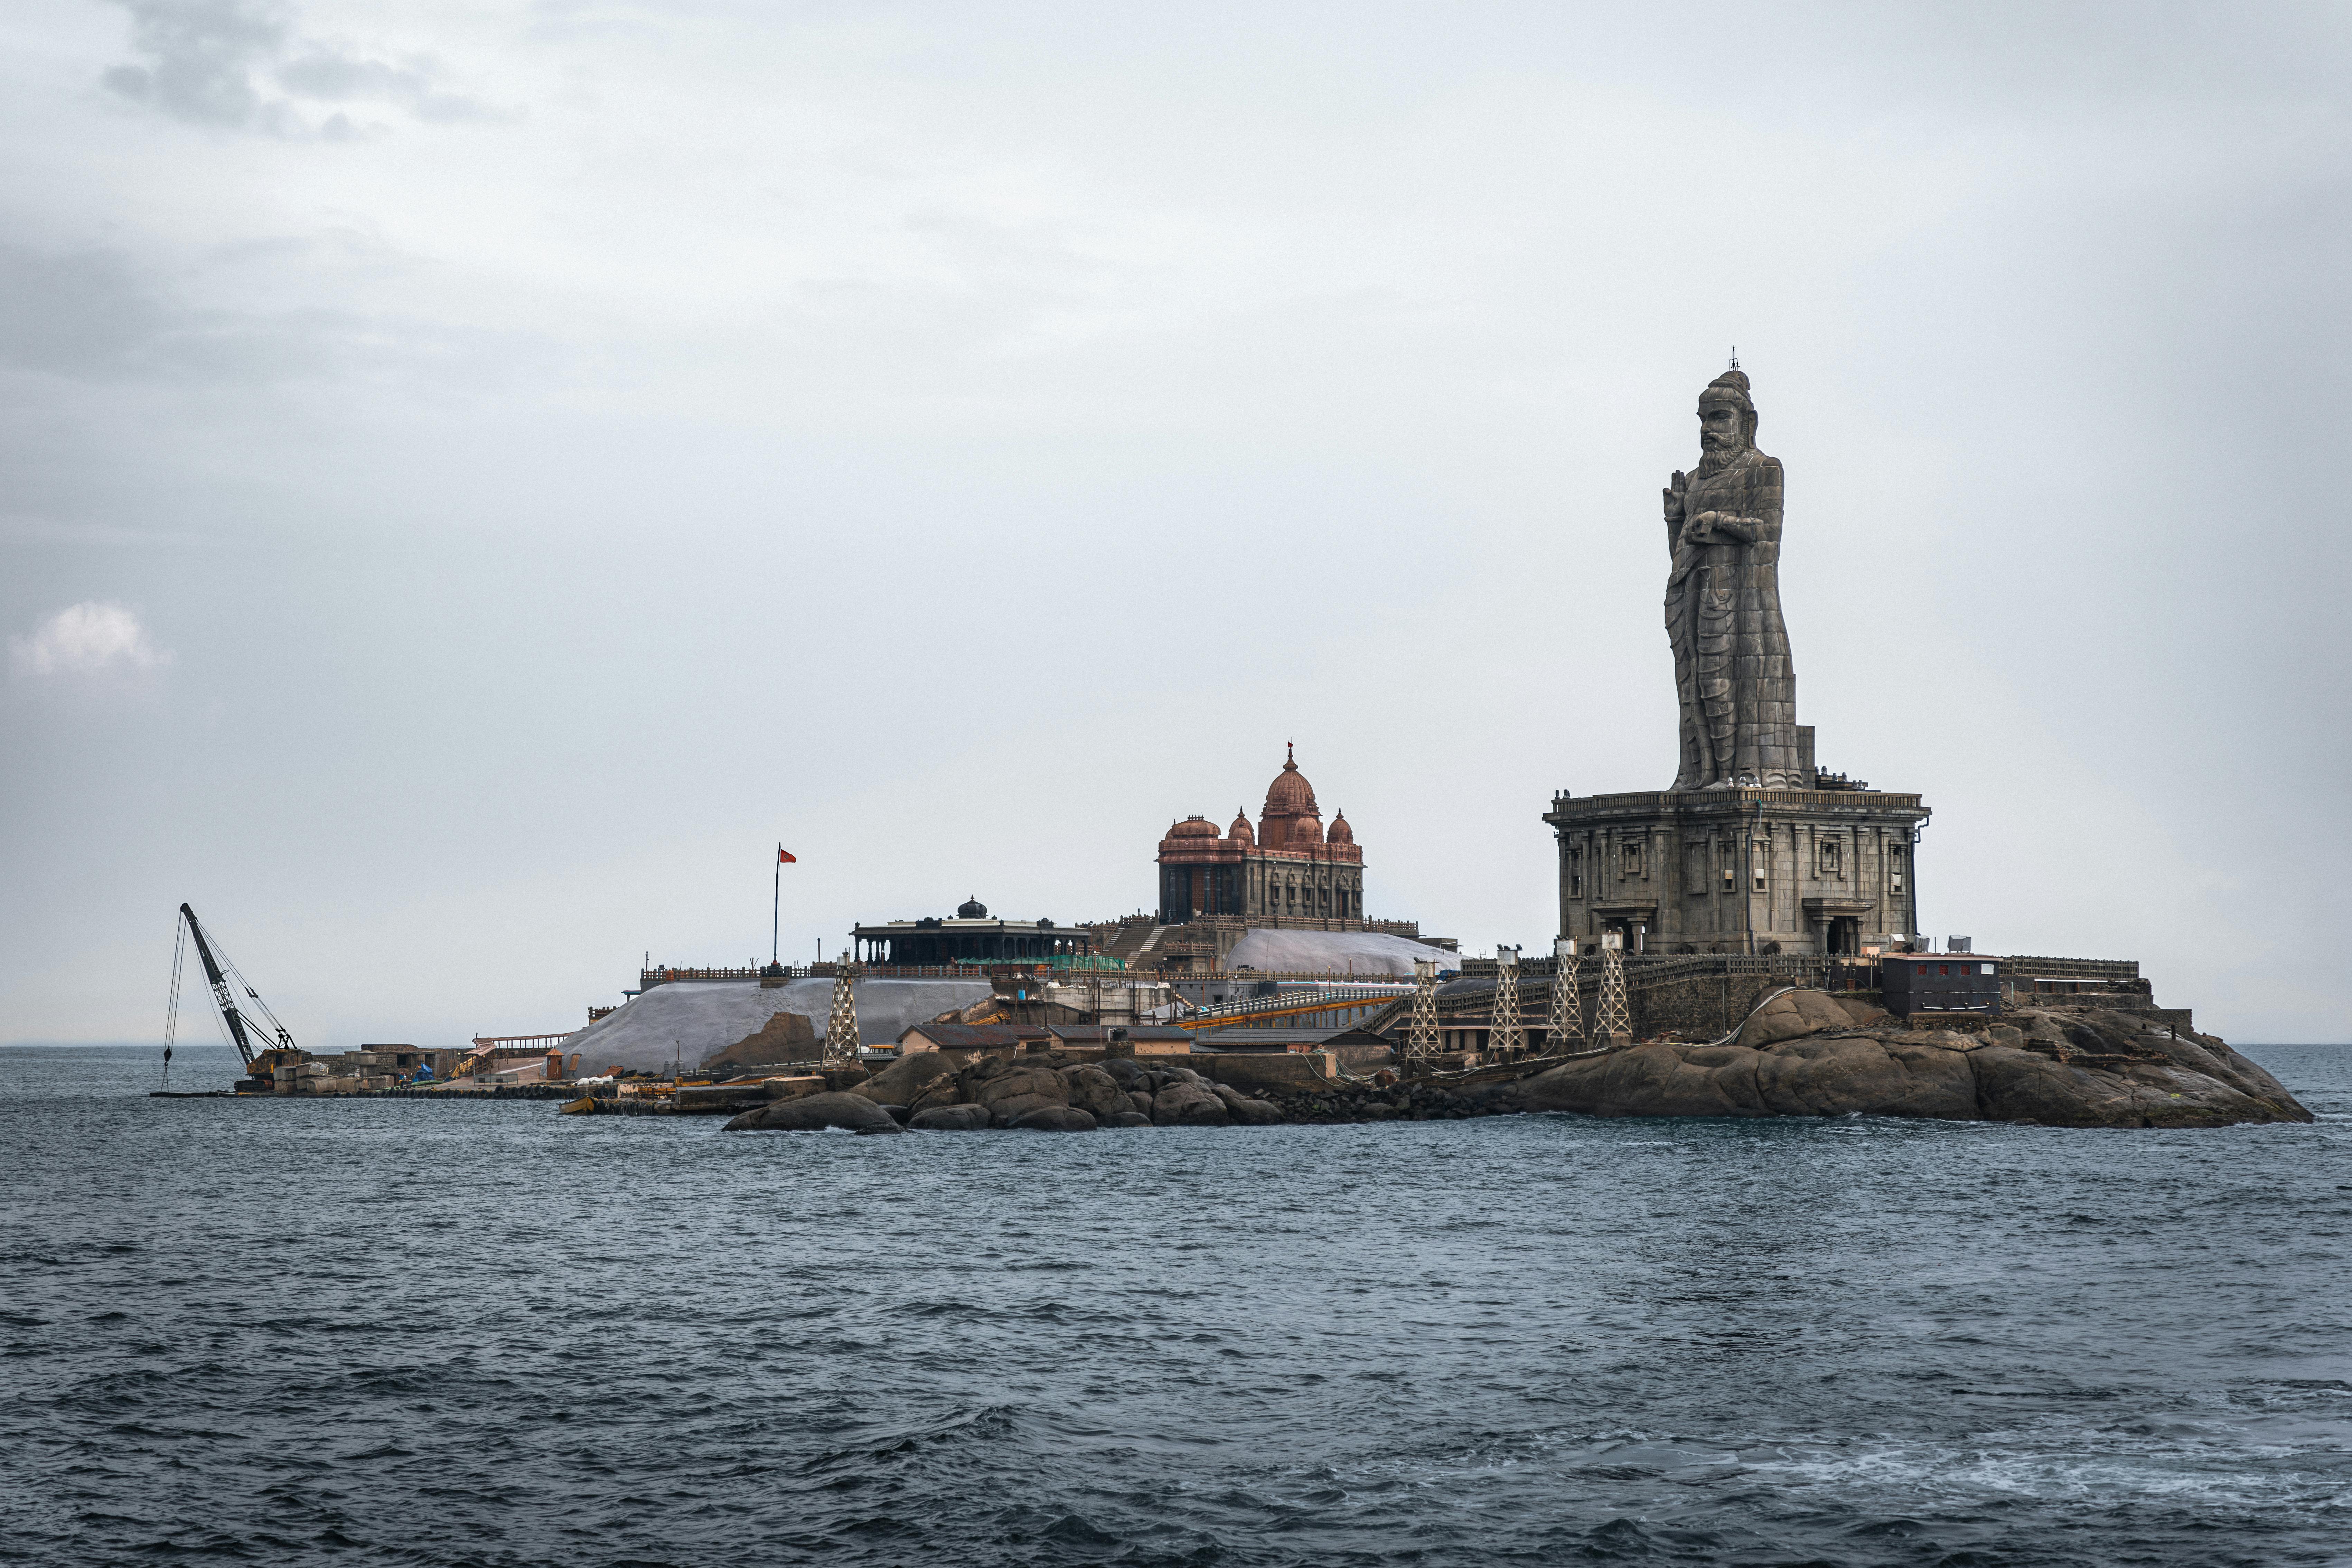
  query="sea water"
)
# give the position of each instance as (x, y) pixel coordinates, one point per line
(408, 1332)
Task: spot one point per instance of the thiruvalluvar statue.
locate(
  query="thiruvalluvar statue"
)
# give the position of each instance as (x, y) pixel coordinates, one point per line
(1732, 674)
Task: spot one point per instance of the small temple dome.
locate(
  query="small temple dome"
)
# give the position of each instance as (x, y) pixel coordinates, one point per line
(1193, 827)
(972, 909)
(1241, 829)
(1340, 832)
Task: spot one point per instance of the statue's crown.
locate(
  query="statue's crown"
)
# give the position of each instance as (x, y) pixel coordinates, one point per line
(1731, 386)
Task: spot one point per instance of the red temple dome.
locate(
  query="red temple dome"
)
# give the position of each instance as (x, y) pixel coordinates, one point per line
(1241, 829)
(1290, 794)
(1193, 827)
(1340, 832)
(1307, 829)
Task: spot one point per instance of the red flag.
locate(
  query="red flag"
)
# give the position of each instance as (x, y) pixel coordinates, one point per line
(785, 856)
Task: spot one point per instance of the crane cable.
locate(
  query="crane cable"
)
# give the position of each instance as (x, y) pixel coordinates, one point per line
(229, 967)
(172, 1014)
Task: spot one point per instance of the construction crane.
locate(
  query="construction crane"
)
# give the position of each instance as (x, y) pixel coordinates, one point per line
(219, 970)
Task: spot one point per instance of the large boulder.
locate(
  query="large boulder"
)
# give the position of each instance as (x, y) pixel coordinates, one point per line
(1017, 1089)
(947, 1090)
(1095, 1091)
(813, 1113)
(2073, 1070)
(950, 1119)
(1128, 1119)
(1125, 1071)
(903, 1080)
(1793, 1013)
(1844, 1075)
(2106, 1068)
(1054, 1118)
(1245, 1111)
(1189, 1105)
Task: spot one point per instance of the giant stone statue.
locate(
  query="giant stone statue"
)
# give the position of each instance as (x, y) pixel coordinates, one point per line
(1752, 851)
(1732, 674)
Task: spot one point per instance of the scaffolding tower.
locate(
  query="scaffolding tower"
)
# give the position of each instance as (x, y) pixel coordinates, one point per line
(1421, 1027)
(1567, 1003)
(841, 1028)
(1611, 1021)
(1507, 1038)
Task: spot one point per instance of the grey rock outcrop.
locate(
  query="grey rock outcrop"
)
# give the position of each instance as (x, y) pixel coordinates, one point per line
(950, 1119)
(1055, 1118)
(1189, 1105)
(1248, 1112)
(2095, 1069)
(1017, 1090)
(813, 1113)
(939, 1092)
(903, 1080)
(1095, 1092)
(925, 1093)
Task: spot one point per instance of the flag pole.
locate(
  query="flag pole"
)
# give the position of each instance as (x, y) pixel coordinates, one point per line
(776, 904)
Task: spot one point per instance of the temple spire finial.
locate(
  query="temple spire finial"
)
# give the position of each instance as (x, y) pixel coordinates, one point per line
(1735, 356)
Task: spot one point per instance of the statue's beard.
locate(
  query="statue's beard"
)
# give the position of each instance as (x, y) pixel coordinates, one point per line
(1714, 459)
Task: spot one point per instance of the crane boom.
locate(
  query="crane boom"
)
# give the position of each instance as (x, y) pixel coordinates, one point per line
(221, 993)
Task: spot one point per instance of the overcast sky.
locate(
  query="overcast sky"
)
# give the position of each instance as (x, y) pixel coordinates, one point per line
(476, 475)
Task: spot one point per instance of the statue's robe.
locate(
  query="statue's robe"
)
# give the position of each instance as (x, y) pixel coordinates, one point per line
(1732, 671)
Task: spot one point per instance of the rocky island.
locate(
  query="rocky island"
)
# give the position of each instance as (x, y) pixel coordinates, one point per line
(1803, 1053)
(1755, 866)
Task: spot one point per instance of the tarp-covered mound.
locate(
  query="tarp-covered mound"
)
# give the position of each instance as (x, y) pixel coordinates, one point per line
(688, 1020)
(1335, 952)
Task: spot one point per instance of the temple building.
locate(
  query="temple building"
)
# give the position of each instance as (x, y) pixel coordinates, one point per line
(971, 936)
(1287, 871)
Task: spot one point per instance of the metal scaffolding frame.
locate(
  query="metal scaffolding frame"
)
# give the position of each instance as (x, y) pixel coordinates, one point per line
(1421, 1027)
(1612, 1022)
(1507, 1035)
(1567, 1003)
(841, 1028)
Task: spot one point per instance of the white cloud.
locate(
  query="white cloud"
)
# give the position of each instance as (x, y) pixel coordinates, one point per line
(90, 638)
(202, 58)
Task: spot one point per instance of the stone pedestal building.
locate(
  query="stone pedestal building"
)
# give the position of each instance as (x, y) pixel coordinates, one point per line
(1752, 849)
(1739, 871)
